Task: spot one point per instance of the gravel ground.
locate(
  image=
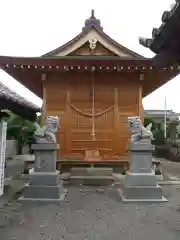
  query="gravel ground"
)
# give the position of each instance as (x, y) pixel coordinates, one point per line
(90, 213)
(171, 169)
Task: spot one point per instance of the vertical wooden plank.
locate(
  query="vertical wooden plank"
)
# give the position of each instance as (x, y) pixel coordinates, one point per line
(67, 123)
(140, 105)
(116, 122)
(44, 107)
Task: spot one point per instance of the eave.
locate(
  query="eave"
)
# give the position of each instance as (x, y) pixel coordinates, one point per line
(23, 111)
(28, 71)
(17, 104)
(70, 60)
(165, 39)
(23, 68)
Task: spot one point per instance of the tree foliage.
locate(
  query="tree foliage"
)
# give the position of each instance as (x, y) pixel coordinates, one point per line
(148, 120)
(20, 129)
(159, 134)
(157, 130)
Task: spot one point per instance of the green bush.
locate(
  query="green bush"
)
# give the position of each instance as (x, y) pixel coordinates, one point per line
(21, 130)
(148, 120)
(158, 134)
(157, 130)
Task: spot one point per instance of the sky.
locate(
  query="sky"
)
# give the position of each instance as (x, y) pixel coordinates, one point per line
(34, 27)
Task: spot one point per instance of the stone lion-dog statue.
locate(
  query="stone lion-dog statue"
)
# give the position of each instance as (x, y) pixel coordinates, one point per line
(138, 131)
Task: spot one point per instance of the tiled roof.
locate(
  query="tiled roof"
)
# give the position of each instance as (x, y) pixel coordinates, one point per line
(159, 114)
(168, 29)
(93, 23)
(10, 95)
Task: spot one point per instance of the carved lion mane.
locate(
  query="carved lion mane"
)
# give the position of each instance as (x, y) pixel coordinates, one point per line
(48, 132)
(138, 131)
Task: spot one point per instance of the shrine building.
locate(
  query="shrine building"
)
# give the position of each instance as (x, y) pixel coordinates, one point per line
(93, 84)
(164, 41)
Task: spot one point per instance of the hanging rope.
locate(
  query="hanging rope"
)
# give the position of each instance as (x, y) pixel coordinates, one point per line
(90, 114)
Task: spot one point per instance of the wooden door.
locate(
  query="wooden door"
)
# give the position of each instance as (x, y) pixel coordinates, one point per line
(92, 113)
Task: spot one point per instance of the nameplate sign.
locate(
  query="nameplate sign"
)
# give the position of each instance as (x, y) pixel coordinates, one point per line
(3, 132)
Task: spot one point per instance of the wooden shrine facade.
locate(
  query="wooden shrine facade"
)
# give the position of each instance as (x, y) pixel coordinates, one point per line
(93, 84)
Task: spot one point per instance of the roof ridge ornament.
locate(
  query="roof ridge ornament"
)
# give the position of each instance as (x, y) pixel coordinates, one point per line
(92, 14)
(92, 22)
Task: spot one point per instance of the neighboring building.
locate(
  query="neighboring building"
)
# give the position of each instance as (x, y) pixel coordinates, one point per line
(159, 115)
(17, 104)
(165, 40)
(165, 43)
(93, 84)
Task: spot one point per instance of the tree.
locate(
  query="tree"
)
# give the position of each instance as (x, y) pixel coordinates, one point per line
(157, 130)
(20, 129)
(148, 120)
(159, 134)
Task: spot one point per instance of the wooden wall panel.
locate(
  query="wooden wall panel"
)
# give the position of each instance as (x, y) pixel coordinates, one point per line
(56, 88)
(116, 97)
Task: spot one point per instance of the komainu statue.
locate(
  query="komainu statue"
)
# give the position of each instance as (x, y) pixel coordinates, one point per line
(138, 131)
(47, 133)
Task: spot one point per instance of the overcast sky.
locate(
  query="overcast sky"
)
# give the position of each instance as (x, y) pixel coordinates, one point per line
(34, 27)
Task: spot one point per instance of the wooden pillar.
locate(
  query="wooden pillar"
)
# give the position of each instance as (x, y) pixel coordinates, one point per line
(140, 103)
(67, 124)
(44, 110)
(116, 122)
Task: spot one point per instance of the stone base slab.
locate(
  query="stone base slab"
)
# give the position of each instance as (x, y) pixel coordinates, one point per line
(43, 192)
(48, 200)
(140, 179)
(44, 178)
(142, 192)
(140, 200)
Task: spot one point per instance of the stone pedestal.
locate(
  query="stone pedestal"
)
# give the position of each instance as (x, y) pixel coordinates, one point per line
(45, 184)
(140, 181)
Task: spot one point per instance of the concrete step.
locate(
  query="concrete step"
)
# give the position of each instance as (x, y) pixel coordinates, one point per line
(91, 180)
(92, 171)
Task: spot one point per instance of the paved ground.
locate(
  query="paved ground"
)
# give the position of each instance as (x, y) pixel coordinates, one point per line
(171, 169)
(97, 213)
(90, 213)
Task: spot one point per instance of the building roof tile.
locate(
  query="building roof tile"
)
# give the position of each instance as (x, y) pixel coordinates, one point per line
(7, 94)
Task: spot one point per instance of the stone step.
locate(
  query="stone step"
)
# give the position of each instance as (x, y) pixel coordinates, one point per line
(91, 180)
(92, 171)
